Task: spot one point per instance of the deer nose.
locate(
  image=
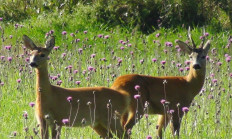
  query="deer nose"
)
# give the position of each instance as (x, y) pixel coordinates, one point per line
(33, 64)
(196, 66)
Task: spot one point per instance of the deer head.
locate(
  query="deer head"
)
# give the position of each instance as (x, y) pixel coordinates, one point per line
(39, 55)
(197, 55)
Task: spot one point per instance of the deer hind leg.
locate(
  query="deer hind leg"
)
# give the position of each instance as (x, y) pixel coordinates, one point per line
(163, 121)
(43, 128)
(56, 130)
(102, 131)
(175, 124)
(118, 129)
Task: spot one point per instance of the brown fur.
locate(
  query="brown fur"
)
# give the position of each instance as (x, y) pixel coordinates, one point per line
(52, 105)
(178, 91)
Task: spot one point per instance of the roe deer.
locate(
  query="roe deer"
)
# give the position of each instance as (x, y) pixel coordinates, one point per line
(53, 103)
(177, 92)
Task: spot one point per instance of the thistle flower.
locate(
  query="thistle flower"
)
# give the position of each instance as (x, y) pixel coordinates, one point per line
(154, 59)
(185, 109)
(137, 87)
(163, 62)
(64, 32)
(85, 32)
(162, 101)
(19, 80)
(69, 99)
(32, 104)
(136, 96)
(149, 137)
(65, 121)
(78, 82)
(1, 18)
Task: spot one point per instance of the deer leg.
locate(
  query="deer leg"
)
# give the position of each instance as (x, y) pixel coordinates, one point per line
(102, 131)
(163, 121)
(175, 125)
(43, 128)
(56, 131)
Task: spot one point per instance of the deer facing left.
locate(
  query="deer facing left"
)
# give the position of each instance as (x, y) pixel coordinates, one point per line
(52, 105)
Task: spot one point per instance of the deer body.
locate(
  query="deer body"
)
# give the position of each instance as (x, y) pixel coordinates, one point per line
(177, 91)
(88, 105)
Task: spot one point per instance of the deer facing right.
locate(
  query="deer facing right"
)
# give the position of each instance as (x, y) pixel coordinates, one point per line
(176, 91)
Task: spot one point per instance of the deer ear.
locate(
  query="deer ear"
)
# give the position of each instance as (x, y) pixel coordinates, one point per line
(184, 47)
(50, 43)
(206, 46)
(29, 43)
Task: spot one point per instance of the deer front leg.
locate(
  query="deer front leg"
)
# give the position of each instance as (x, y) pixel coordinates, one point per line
(163, 121)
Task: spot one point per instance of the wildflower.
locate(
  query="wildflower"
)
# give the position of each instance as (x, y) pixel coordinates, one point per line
(19, 80)
(80, 50)
(69, 99)
(169, 44)
(181, 69)
(149, 137)
(100, 36)
(214, 80)
(8, 47)
(185, 109)
(228, 59)
(15, 133)
(65, 121)
(56, 47)
(93, 55)
(210, 97)
(77, 40)
(72, 34)
(51, 31)
(1, 18)
(122, 48)
(206, 34)
(2, 83)
(64, 32)
(154, 59)
(141, 61)
(85, 32)
(207, 57)
(2, 57)
(107, 37)
(75, 71)
(25, 115)
(162, 101)
(136, 96)
(90, 68)
(89, 103)
(129, 45)
(201, 37)
(219, 63)
(137, 87)
(171, 111)
(32, 104)
(187, 68)
(63, 54)
(120, 41)
(187, 62)
(70, 66)
(154, 41)
(163, 62)
(231, 75)
(157, 35)
(78, 82)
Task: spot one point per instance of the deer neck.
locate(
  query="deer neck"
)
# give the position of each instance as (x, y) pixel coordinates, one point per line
(196, 78)
(43, 85)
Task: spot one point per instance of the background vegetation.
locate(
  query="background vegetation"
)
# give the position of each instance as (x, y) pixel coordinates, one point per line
(143, 14)
(126, 50)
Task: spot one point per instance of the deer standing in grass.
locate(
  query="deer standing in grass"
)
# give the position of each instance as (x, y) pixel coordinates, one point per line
(177, 92)
(52, 105)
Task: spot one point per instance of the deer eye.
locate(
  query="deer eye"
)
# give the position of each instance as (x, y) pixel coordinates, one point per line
(42, 55)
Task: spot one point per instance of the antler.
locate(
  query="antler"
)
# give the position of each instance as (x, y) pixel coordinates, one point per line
(203, 38)
(190, 37)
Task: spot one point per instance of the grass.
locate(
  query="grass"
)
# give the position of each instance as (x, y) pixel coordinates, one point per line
(209, 117)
